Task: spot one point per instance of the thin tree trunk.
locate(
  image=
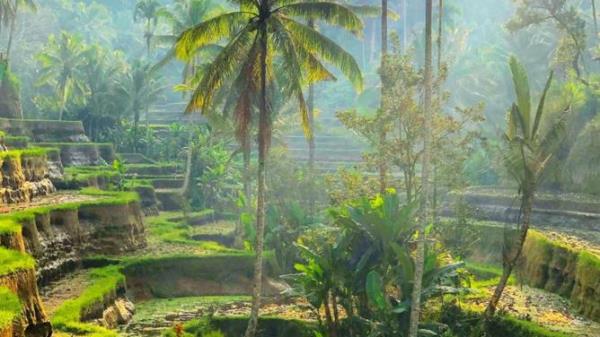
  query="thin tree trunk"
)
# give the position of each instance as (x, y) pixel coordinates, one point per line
(311, 141)
(511, 261)
(440, 35)
(184, 193)
(382, 131)
(425, 217)
(329, 317)
(263, 139)
(63, 103)
(439, 97)
(595, 17)
(405, 25)
(247, 152)
(188, 167)
(11, 33)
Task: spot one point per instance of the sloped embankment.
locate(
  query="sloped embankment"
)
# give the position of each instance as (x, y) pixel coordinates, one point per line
(24, 174)
(548, 264)
(56, 237)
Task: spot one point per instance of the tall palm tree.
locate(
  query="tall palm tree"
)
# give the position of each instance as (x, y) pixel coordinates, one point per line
(425, 216)
(61, 62)
(26, 4)
(262, 37)
(383, 133)
(529, 149)
(146, 10)
(139, 89)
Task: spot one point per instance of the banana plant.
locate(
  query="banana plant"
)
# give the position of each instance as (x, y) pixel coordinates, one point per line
(529, 147)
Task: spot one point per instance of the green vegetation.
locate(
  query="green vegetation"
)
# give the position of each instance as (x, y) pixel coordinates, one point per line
(147, 311)
(10, 307)
(68, 317)
(12, 261)
(24, 153)
(463, 322)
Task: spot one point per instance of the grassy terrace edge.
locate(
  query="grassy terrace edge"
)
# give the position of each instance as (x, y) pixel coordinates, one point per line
(68, 317)
(11, 223)
(12, 261)
(10, 307)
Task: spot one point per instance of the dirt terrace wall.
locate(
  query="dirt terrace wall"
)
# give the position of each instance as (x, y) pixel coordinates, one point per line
(84, 154)
(33, 321)
(58, 238)
(549, 265)
(194, 276)
(24, 176)
(45, 130)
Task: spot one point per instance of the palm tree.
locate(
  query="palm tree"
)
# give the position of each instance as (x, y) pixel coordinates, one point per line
(529, 149)
(425, 216)
(139, 89)
(27, 4)
(261, 36)
(146, 10)
(61, 63)
(185, 14)
(383, 133)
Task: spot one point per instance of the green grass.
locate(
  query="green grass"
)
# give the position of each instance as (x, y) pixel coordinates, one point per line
(221, 227)
(9, 225)
(149, 310)
(67, 317)
(12, 261)
(24, 153)
(84, 173)
(529, 329)
(176, 232)
(10, 307)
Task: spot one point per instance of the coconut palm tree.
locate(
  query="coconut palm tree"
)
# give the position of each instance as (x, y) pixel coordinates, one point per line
(139, 89)
(426, 194)
(265, 38)
(529, 148)
(61, 63)
(185, 14)
(146, 10)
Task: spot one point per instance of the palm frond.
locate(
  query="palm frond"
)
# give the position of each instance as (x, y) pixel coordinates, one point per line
(221, 68)
(208, 32)
(540, 107)
(317, 44)
(291, 66)
(521, 83)
(332, 13)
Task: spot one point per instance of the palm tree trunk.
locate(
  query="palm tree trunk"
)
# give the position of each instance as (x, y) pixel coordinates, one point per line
(63, 100)
(382, 132)
(439, 97)
(311, 141)
(595, 17)
(11, 33)
(405, 25)
(440, 35)
(246, 153)
(184, 193)
(425, 216)
(263, 140)
(511, 261)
